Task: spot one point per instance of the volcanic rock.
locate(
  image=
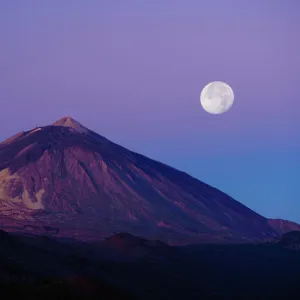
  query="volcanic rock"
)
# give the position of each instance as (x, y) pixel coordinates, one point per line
(68, 177)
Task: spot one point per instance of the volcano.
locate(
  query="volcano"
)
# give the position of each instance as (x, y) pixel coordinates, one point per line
(67, 177)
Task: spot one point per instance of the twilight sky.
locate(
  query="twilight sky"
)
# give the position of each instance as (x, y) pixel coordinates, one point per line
(133, 72)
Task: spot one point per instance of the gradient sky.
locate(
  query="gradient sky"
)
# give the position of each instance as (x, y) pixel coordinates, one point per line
(133, 72)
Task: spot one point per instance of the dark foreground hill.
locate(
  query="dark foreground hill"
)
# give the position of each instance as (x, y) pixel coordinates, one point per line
(43, 268)
(67, 180)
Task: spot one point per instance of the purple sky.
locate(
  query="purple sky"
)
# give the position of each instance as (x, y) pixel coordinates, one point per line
(133, 71)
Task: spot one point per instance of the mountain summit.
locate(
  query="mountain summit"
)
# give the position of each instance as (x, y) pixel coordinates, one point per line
(71, 123)
(55, 176)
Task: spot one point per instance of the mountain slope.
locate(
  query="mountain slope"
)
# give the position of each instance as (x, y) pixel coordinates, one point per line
(70, 177)
(283, 226)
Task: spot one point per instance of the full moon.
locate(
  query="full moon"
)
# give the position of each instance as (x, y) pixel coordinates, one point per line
(217, 97)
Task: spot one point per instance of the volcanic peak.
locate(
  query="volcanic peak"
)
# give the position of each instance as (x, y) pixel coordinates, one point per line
(71, 123)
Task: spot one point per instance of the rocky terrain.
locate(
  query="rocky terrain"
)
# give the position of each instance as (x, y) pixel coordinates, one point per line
(83, 217)
(283, 226)
(66, 180)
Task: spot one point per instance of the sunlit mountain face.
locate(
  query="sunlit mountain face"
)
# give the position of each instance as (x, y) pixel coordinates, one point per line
(65, 179)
